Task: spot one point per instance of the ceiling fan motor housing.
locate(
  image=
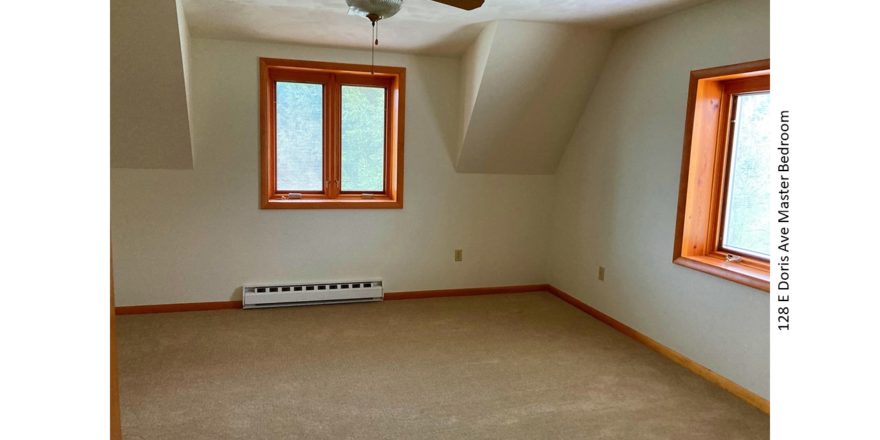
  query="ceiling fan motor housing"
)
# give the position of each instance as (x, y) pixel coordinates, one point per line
(374, 9)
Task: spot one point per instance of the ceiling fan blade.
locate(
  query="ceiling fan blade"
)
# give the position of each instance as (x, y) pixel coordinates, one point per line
(462, 4)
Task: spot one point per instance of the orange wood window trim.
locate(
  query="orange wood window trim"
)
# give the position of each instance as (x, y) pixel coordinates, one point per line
(333, 76)
(704, 172)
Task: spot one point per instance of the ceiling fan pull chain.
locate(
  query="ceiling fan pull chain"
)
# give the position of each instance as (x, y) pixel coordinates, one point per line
(373, 50)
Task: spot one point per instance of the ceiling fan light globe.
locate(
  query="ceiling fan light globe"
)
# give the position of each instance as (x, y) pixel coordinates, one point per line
(381, 8)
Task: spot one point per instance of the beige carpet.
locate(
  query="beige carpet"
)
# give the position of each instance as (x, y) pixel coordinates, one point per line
(520, 366)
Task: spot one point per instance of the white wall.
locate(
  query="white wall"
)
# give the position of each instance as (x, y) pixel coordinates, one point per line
(198, 235)
(617, 192)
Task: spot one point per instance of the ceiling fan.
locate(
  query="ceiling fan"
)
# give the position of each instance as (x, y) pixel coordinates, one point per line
(376, 10)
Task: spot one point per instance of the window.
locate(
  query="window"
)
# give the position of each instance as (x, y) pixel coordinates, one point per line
(723, 225)
(331, 135)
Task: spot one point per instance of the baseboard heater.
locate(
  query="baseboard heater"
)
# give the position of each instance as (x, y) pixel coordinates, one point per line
(300, 294)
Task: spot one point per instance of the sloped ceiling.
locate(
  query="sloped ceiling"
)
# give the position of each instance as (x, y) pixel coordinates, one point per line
(525, 86)
(149, 122)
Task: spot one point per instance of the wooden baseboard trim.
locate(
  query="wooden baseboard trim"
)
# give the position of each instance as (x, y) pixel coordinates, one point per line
(182, 307)
(717, 379)
(418, 294)
(390, 296)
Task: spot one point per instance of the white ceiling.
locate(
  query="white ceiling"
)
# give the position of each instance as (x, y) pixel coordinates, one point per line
(422, 26)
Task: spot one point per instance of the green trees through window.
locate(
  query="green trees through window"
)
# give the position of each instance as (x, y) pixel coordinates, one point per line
(363, 138)
(299, 136)
(746, 222)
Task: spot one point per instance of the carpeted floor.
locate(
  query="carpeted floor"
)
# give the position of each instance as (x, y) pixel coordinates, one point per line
(520, 366)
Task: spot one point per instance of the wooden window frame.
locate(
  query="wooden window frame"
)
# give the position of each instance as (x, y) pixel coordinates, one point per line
(332, 76)
(705, 174)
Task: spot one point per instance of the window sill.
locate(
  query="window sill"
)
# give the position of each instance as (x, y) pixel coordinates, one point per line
(332, 204)
(736, 272)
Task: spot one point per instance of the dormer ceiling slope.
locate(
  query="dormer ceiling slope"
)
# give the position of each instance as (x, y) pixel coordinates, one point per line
(149, 87)
(525, 86)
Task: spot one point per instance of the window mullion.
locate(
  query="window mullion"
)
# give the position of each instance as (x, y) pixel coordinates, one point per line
(331, 127)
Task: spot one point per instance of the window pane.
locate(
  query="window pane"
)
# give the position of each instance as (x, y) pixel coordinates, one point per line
(363, 138)
(299, 136)
(747, 222)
